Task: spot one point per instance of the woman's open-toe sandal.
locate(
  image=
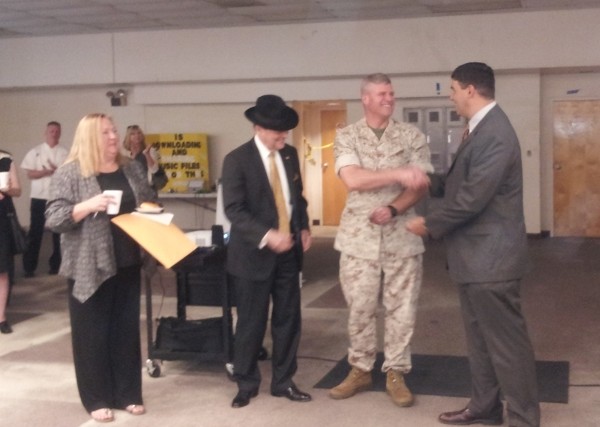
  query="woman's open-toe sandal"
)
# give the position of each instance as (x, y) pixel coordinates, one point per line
(103, 415)
(135, 409)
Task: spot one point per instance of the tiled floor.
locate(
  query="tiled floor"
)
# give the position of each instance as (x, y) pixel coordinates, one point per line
(561, 297)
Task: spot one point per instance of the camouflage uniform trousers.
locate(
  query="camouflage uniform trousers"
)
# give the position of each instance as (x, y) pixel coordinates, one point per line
(361, 281)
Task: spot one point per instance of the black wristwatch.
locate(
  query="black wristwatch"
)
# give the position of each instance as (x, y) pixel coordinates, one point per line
(393, 210)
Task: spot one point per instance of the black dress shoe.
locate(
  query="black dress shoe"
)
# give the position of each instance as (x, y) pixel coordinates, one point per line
(5, 328)
(293, 394)
(466, 417)
(243, 398)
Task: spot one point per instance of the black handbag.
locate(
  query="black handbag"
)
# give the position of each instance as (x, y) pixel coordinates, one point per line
(18, 237)
(159, 179)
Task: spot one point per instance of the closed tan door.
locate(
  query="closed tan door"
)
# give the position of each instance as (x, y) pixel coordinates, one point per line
(577, 168)
(334, 191)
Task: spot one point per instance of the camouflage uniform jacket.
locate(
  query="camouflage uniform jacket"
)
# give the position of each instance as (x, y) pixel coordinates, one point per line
(400, 145)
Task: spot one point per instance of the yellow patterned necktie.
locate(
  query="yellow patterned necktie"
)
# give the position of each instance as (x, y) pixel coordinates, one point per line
(465, 134)
(282, 214)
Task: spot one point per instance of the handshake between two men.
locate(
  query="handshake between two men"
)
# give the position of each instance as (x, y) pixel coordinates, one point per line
(415, 182)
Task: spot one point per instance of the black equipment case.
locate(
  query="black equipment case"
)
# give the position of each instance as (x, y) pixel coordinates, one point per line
(201, 281)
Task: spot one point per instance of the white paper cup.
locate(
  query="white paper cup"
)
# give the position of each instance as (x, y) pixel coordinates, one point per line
(114, 206)
(4, 180)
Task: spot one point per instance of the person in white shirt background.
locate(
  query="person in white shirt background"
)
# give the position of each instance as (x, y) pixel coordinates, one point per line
(39, 164)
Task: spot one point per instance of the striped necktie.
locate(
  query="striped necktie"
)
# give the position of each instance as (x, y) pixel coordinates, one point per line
(282, 213)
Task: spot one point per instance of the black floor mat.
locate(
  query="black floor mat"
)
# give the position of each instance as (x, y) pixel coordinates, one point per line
(449, 376)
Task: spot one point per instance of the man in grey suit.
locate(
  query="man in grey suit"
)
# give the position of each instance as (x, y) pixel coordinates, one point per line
(262, 197)
(481, 221)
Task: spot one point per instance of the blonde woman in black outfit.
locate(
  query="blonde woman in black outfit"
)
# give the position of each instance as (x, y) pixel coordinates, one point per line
(102, 265)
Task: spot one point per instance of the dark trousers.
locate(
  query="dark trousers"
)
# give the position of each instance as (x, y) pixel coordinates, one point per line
(252, 298)
(11, 277)
(34, 239)
(501, 356)
(105, 333)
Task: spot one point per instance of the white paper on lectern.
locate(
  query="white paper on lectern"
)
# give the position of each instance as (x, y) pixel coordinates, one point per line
(220, 217)
(200, 237)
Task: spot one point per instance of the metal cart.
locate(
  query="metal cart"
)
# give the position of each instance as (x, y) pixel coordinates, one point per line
(201, 281)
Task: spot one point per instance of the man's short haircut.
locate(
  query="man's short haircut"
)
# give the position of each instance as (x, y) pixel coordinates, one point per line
(376, 78)
(53, 123)
(478, 74)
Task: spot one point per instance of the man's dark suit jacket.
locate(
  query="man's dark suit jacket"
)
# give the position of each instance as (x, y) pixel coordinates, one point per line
(250, 206)
(481, 217)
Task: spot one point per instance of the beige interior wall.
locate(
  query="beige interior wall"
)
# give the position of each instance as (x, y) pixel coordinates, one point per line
(26, 113)
(507, 41)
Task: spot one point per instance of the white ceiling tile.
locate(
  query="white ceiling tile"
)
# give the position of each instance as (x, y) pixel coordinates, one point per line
(209, 22)
(53, 17)
(33, 5)
(163, 6)
(281, 10)
(66, 13)
(11, 16)
(29, 21)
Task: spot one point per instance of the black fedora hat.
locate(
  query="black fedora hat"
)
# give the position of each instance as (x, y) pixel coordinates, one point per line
(270, 112)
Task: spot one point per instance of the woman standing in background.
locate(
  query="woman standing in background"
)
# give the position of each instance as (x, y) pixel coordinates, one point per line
(102, 265)
(135, 143)
(11, 189)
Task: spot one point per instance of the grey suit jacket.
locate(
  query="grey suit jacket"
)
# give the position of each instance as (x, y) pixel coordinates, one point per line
(481, 216)
(250, 206)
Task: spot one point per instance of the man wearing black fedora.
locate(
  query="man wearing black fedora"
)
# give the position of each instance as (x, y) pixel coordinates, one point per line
(262, 196)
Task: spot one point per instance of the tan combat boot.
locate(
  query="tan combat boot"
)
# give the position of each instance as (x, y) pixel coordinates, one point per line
(397, 389)
(357, 380)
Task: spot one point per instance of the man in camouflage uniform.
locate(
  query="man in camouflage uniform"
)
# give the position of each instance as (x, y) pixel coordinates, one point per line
(383, 164)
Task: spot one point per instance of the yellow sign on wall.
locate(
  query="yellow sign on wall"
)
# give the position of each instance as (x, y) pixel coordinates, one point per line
(184, 157)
